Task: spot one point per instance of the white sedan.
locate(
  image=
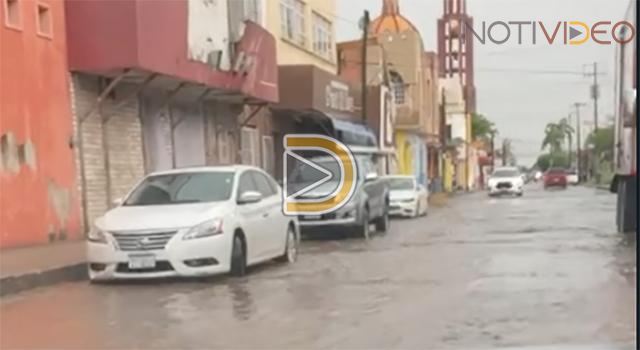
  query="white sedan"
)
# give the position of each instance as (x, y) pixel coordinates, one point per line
(406, 196)
(193, 222)
(506, 180)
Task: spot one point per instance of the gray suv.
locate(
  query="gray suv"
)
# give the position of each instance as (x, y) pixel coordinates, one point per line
(369, 204)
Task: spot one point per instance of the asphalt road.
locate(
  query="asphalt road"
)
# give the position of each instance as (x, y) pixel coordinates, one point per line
(543, 270)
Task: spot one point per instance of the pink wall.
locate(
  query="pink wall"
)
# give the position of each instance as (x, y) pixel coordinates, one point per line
(38, 194)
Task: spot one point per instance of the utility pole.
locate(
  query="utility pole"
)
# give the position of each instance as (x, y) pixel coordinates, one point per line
(595, 93)
(504, 152)
(570, 143)
(577, 105)
(493, 149)
(363, 64)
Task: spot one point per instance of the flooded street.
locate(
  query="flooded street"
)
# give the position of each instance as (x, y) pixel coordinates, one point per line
(480, 273)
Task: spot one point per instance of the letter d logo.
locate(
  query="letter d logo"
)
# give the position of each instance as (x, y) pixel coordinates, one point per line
(345, 176)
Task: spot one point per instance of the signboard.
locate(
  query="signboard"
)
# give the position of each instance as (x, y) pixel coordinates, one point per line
(337, 97)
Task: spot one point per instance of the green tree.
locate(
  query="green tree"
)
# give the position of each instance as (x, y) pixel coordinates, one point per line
(602, 142)
(548, 160)
(566, 129)
(554, 136)
(481, 127)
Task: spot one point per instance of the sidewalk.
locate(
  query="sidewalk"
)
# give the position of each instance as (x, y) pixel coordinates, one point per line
(31, 267)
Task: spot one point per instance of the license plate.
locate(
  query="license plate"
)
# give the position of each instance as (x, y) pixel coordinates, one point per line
(139, 262)
(313, 217)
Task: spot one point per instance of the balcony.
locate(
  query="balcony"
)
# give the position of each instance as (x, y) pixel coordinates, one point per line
(177, 42)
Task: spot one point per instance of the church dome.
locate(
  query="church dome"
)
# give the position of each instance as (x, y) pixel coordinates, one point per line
(390, 20)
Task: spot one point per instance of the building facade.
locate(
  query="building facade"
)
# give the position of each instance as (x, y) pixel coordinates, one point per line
(404, 49)
(169, 87)
(381, 108)
(304, 31)
(39, 202)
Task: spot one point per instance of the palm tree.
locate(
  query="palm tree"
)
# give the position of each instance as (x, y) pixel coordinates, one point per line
(568, 131)
(554, 135)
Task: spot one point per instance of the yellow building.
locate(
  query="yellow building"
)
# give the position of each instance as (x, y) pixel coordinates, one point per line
(304, 30)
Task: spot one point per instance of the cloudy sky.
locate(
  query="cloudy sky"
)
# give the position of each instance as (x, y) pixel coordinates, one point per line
(519, 101)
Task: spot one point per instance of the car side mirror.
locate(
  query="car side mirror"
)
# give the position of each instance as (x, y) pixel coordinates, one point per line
(370, 177)
(250, 197)
(117, 202)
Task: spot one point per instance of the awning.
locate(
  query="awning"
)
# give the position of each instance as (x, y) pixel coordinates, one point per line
(353, 134)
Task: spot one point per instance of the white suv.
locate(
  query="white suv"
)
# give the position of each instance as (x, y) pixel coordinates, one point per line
(193, 222)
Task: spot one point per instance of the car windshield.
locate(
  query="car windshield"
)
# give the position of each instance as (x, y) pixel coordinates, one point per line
(182, 188)
(401, 184)
(305, 173)
(505, 173)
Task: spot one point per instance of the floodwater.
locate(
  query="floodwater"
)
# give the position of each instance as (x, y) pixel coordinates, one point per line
(546, 270)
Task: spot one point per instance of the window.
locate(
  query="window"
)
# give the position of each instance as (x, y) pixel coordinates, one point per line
(322, 36)
(12, 14)
(265, 187)
(246, 183)
(250, 146)
(398, 88)
(44, 20)
(292, 20)
(268, 154)
(182, 189)
(253, 10)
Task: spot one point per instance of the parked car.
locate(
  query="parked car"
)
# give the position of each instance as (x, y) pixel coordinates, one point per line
(406, 196)
(506, 180)
(369, 204)
(572, 177)
(555, 177)
(193, 222)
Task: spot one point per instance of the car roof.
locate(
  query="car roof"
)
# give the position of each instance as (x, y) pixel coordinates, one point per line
(206, 169)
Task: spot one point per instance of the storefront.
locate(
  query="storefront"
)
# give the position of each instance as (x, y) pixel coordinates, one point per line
(313, 101)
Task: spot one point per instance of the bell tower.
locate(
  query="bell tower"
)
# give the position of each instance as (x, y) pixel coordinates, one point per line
(455, 51)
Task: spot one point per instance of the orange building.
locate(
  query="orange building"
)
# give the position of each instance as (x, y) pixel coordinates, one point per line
(38, 192)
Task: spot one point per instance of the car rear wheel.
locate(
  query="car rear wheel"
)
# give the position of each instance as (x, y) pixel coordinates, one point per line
(238, 258)
(382, 223)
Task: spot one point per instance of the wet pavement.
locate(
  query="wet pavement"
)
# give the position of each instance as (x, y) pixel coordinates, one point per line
(546, 270)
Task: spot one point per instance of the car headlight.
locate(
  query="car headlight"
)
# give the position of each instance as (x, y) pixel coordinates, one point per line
(206, 229)
(96, 235)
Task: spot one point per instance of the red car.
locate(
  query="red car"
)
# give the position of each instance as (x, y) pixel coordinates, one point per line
(555, 177)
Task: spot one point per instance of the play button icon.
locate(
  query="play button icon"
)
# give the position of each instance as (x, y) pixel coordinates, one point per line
(305, 176)
(574, 33)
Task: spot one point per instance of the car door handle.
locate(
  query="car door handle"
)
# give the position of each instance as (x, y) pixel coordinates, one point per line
(265, 215)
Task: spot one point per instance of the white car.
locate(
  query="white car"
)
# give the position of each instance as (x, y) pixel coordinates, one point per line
(193, 222)
(572, 177)
(506, 180)
(406, 196)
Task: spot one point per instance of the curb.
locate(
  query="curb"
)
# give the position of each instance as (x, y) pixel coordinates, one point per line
(15, 284)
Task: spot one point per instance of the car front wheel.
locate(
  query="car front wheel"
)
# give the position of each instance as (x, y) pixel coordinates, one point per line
(238, 258)
(362, 230)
